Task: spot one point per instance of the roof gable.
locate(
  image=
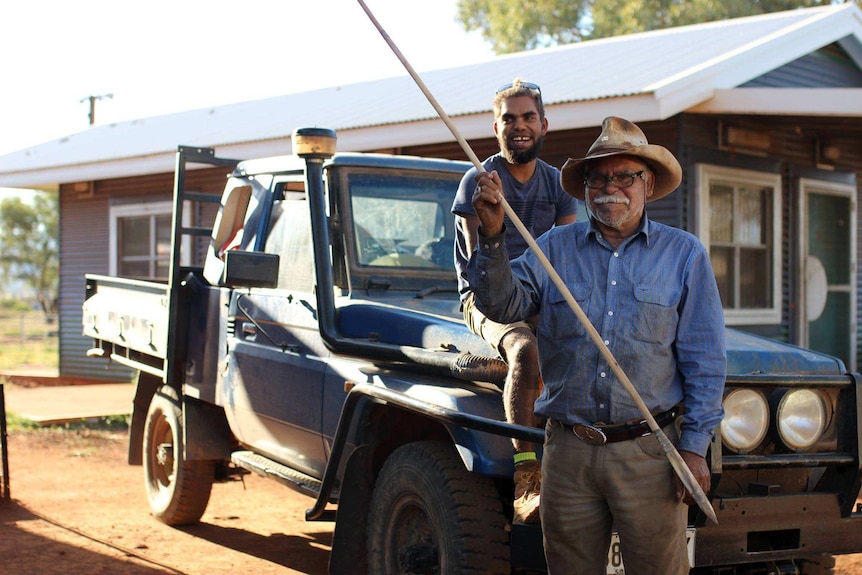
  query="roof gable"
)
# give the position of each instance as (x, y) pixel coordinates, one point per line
(830, 66)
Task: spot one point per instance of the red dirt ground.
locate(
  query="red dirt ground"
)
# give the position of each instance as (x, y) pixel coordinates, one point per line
(77, 508)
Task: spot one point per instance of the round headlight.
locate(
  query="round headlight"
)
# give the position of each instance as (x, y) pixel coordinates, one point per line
(746, 419)
(802, 418)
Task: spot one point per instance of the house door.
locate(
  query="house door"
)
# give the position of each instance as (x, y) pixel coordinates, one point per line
(828, 265)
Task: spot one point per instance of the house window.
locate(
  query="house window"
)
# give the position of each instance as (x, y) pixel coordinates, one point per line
(740, 215)
(140, 242)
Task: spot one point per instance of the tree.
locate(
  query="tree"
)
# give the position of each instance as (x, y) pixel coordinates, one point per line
(29, 246)
(515, 25)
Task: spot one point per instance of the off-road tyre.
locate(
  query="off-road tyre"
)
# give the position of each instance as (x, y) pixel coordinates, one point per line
(178, 491)
(429, 515)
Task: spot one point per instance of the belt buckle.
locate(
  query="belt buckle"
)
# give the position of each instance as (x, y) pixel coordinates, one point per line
(589, 434)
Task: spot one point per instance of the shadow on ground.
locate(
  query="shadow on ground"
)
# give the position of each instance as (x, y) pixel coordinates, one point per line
(306, 553)
(33, 544)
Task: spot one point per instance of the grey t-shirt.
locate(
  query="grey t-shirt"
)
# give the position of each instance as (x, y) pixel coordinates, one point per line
(538, 202)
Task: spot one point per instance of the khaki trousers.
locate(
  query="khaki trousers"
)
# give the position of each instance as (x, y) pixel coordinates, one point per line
(587, 491)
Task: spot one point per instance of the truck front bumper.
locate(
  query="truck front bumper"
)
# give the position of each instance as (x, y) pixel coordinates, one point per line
(776, 527)
(749, 530)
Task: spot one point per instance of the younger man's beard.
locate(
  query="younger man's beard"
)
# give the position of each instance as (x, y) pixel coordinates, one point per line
(521, 156)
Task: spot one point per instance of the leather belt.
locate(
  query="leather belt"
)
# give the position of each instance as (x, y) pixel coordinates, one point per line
(599, 433)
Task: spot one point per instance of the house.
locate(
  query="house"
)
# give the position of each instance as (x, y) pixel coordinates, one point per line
(764, 113)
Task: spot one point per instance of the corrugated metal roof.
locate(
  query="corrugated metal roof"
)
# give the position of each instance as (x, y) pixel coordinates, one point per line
(680, 65)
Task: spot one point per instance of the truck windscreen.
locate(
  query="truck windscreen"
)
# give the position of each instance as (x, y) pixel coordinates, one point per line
(403, 221)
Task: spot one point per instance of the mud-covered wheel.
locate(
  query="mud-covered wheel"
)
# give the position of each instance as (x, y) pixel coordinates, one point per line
(178, 490)
(429, 515)
(823, 565)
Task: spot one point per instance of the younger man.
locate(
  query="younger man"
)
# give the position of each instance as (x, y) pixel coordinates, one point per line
(533, 190)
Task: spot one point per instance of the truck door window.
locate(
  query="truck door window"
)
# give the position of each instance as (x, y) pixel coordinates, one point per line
(289, 236)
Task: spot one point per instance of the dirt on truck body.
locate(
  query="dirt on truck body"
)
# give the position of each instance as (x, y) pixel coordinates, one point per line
(321, 345)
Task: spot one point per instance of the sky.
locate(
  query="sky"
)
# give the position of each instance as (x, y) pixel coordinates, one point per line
(164, 56)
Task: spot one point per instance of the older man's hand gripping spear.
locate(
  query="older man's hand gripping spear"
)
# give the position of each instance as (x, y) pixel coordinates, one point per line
(682, 470)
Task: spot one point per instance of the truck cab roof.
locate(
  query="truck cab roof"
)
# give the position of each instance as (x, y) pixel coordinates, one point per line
(292, 163)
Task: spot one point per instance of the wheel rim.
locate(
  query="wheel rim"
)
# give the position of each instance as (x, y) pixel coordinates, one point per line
(162, 460)
(411, 539)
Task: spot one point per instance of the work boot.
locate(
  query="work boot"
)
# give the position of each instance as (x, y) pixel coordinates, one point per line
(528, 482)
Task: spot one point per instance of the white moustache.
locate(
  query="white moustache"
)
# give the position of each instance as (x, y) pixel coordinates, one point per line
(611, 200)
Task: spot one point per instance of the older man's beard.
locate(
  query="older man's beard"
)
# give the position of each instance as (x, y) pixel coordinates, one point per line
(613, 222)
(521, 156)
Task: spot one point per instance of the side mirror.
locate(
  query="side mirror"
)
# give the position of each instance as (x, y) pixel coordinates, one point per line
(250, 269)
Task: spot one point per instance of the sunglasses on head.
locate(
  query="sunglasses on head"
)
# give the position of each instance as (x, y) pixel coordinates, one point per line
(527, 85)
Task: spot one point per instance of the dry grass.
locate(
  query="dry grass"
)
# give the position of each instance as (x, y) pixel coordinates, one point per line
(28, 340)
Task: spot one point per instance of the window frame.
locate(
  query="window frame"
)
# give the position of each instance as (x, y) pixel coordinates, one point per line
(707, 174)
(140, 209)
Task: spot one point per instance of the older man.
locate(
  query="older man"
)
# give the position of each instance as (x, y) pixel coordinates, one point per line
(650, 292)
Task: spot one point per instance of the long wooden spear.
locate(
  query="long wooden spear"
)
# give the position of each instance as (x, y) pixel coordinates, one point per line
(683, 472)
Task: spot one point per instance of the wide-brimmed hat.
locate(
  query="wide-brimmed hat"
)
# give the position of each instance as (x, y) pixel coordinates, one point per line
(621, 137)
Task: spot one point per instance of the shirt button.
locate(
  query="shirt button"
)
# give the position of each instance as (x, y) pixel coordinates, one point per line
(613, 282)
(482, 273)
(496, 244)
(611, 312)
(616, 254)
(603, 374)
(602, 405)
(607, 342)
(486, 246)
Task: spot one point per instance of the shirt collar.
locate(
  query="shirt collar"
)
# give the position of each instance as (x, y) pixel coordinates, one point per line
(643, 228)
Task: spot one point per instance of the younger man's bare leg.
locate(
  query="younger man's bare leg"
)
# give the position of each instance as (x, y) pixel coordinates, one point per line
(519, 396)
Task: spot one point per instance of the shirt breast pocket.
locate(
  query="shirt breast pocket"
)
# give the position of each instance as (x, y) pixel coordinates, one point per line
(558, 321)
(656, 313)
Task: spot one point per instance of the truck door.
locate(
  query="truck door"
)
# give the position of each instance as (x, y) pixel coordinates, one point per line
(277, 358)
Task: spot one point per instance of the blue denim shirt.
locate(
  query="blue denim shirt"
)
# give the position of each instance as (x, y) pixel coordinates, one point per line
(653, 300)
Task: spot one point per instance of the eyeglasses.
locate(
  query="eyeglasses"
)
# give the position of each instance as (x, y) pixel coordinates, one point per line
(527, 85)
(622, 181)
